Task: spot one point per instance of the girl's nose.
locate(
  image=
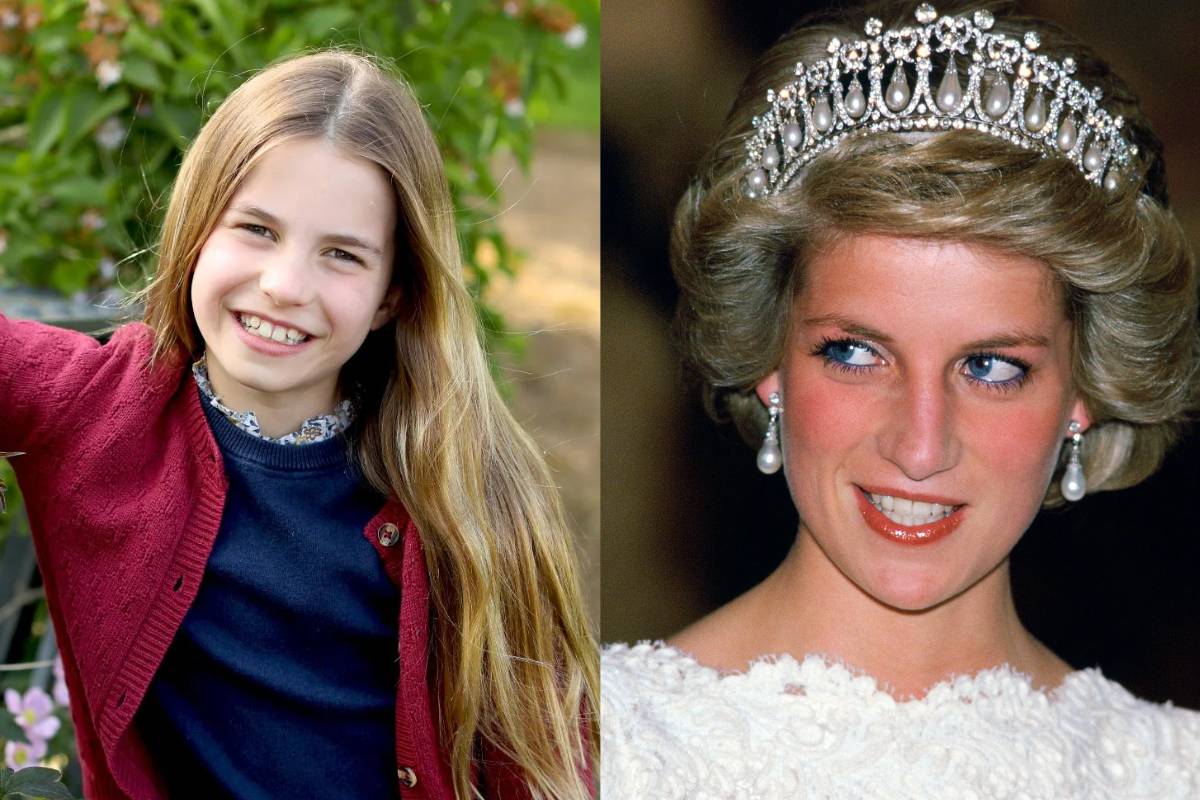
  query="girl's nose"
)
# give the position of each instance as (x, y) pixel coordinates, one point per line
(285, 279)
(920, 438)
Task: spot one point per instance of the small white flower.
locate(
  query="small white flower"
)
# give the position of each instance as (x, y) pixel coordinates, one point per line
(512, 8)
(9, 19)
(97, 7)
(91, 219)
(108, 73)
(108, 268)
(576, 36)
(110, 134)
(514, 107)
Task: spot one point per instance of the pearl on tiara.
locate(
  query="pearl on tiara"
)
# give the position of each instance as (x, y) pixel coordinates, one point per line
(1013, 93)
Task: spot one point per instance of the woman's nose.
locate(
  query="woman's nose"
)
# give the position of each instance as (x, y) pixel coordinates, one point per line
(920, 437)
(285, 278)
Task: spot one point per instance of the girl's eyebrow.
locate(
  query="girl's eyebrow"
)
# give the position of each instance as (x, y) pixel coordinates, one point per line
(334, 238)
(1013, 338)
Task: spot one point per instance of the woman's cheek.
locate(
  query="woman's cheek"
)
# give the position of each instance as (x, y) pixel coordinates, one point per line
(1017, 442)
(824, 416)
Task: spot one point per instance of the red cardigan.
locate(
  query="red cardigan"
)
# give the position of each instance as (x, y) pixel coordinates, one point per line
(124, 487)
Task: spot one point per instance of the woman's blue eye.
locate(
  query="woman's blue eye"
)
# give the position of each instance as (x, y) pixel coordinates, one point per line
(994, 370)
(850, 353)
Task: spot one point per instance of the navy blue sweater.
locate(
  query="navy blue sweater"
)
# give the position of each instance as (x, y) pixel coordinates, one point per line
(282, 679)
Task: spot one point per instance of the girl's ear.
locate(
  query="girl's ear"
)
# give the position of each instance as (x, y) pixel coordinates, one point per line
(388, 308)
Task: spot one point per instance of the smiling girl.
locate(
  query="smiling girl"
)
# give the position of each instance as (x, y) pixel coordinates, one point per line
(930, 267)
(293, 542)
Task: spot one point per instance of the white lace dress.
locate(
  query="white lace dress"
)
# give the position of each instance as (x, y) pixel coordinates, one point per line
(672, 728)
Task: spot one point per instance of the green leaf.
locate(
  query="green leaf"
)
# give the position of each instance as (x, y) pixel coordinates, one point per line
(181, 122)
(88, 108)
(216, 16)
(36, 783)
(9, 729)
(70, 277)
(141, 73)
(323, 20)
(47, 120)
(138, 40)
(82, 190)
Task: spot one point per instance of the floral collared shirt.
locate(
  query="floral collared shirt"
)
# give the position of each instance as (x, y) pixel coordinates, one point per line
(315, 429)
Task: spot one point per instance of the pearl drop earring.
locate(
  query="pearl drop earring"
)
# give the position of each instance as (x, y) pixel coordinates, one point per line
(1074, 485)
(770, 456)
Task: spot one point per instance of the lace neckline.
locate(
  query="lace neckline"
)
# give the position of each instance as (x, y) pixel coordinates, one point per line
(829, 674)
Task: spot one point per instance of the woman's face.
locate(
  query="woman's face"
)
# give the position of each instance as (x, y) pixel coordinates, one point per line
(930, 373)
(305, 246)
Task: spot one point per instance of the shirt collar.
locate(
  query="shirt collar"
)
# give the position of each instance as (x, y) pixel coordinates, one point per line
(315, 429)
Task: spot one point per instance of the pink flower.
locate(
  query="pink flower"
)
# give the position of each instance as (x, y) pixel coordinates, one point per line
(61, 696)
(18, 755)
(34, 712)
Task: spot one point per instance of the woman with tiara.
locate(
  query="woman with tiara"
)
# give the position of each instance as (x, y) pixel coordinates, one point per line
(931, 268)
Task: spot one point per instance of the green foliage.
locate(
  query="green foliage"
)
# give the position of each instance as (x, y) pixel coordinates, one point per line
(11, 506)
(32, 783)
(97, 106)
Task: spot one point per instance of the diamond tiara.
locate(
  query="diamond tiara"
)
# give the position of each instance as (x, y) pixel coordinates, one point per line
(1013, 93)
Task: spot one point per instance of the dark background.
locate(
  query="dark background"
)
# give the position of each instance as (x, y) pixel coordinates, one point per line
(689, 523)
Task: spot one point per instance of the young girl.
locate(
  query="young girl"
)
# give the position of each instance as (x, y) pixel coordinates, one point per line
(293, 542)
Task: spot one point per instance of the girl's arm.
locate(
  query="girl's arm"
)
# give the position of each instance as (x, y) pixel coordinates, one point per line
(40, 369)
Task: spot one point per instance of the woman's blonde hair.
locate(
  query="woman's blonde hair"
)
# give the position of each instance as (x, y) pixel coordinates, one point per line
(514, 662)
(1127, 274)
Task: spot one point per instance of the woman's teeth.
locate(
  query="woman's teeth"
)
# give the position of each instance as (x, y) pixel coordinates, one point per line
(276, 333)
(909, 512)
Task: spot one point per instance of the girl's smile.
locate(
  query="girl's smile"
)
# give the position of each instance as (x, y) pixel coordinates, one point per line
(291, 280)
(271, 337)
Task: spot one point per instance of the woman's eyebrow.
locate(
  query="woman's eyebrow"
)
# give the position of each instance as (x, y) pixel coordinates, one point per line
(1012, 338)
(334, 238)
(850, 326)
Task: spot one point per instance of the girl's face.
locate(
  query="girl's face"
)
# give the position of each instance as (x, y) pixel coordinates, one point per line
(927, 392)
(306, 246)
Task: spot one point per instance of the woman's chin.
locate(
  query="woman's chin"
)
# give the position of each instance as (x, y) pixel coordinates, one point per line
(904, 590)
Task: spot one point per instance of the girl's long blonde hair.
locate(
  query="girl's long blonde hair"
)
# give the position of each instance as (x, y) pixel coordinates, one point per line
(514, 662)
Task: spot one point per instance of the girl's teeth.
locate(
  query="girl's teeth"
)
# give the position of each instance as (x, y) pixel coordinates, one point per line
(268, 331)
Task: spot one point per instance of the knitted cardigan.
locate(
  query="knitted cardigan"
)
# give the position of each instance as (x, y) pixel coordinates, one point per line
(124, 487)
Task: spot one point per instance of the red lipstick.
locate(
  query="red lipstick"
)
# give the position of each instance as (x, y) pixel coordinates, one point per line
(925, 533)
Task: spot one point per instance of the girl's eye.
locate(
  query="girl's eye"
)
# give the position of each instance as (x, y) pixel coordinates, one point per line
(257, 230)
(995, 371)
(342, 255)
(848, 353)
